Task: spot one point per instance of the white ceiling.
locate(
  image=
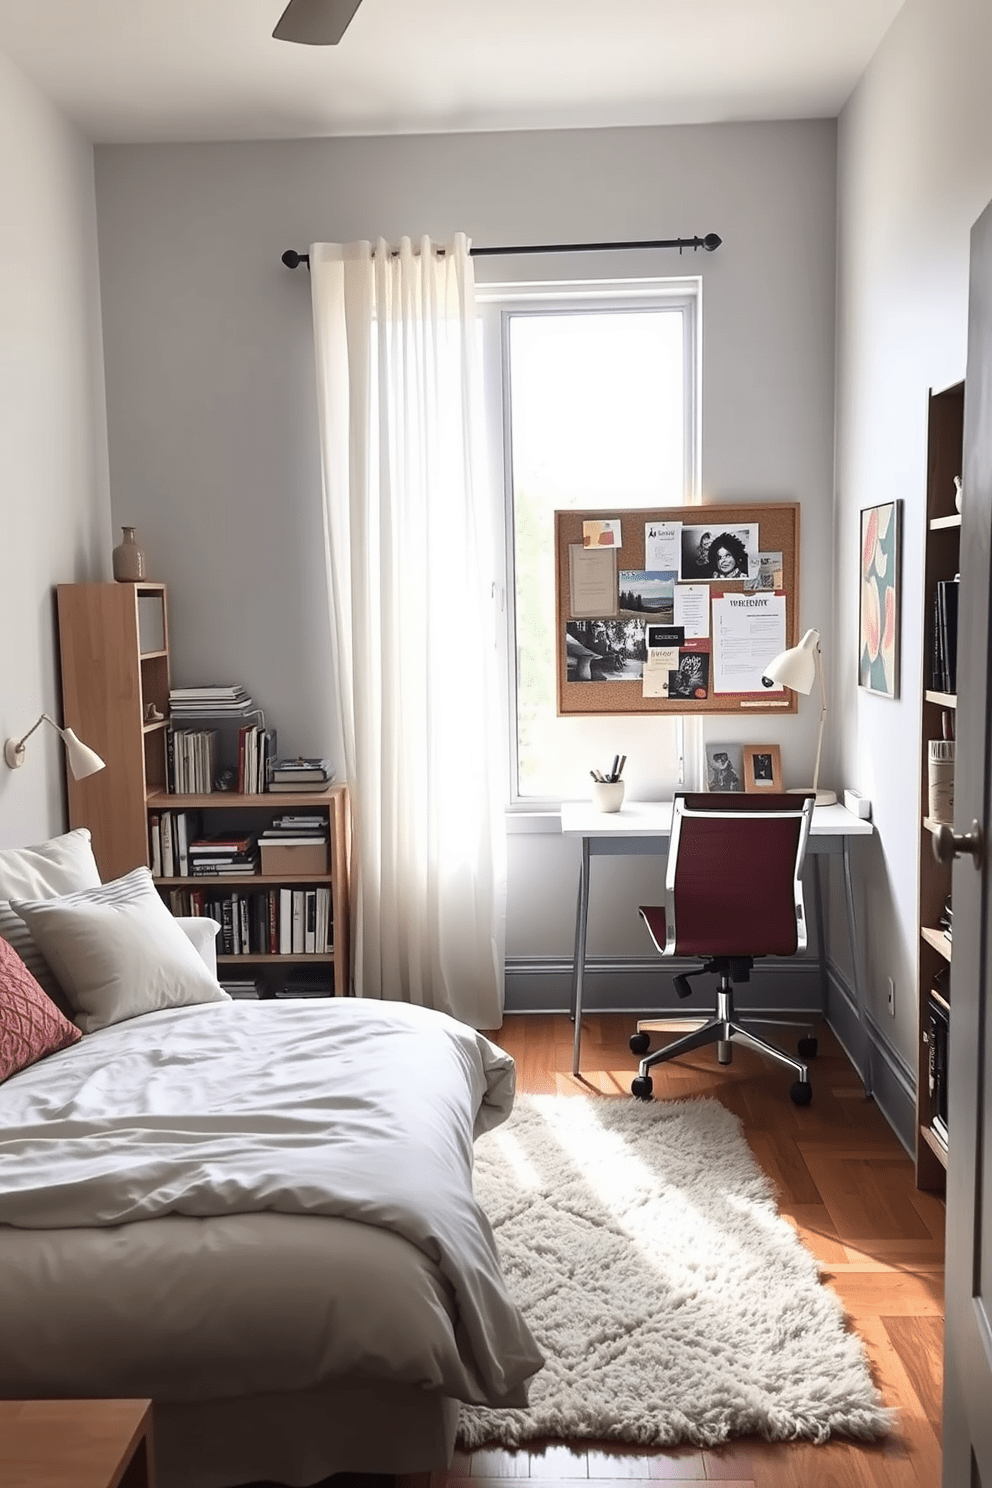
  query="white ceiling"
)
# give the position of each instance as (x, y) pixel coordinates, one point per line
(146, 70)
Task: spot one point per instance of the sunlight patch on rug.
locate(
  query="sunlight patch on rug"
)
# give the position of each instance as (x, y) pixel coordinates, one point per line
(670, 1299)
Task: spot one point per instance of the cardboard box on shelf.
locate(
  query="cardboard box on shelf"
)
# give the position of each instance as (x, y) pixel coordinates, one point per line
(279, 858)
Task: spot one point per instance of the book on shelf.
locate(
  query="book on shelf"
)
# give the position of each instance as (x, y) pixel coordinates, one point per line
(298, 787)
(299, 922)
(285, 922)
(944, 635)
(168, 861)
(308, 770)
(155, 845)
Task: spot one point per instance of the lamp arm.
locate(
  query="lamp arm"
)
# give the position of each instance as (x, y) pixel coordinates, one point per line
(43, 719)
(823, 717)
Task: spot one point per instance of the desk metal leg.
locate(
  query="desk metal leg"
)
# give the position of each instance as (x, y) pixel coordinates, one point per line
(859, 990)
(578, 973)
(821, 945)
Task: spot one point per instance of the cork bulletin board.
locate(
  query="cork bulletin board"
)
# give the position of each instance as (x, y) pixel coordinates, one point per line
(673, 610)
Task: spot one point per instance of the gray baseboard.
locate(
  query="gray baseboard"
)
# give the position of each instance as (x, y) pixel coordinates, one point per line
(635, 985)
(893, 1082)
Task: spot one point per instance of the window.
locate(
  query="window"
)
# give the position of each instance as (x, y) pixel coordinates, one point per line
(597, 386)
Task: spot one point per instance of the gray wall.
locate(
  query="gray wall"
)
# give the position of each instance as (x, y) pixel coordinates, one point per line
(213, 449)
(915, 171)
(54, 502)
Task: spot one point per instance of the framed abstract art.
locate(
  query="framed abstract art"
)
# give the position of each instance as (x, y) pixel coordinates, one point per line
(878, 664)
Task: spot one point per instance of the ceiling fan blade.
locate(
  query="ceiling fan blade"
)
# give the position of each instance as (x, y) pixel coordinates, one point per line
(315, 22)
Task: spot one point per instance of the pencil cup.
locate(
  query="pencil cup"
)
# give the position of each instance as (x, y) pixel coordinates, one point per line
(941, 780)
(607, 795)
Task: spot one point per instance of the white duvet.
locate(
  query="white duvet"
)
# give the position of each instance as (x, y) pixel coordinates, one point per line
(125, 1160)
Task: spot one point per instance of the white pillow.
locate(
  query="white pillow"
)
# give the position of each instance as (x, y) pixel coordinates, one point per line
(118, 952)
(60, 866)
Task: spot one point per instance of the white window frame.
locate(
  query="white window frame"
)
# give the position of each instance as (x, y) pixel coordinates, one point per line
(498, 303)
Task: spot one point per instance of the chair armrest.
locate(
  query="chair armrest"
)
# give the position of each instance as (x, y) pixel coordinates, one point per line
(202, 933)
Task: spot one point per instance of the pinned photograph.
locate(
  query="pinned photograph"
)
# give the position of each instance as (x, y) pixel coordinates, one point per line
(605, 650)
(769, 573)
(604, 534)
(717, 553)
(648, 593)
(725, 767)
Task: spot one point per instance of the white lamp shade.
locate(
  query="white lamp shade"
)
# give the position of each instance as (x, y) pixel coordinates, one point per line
(796, 668)
(83, 761)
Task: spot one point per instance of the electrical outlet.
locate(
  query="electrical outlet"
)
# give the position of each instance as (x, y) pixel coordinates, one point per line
(892, 996)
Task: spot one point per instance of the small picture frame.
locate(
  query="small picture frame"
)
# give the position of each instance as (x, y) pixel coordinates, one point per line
(762, 767)
(724, 767)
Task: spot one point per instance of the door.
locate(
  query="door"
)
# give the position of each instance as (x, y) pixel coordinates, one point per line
(968, 1347)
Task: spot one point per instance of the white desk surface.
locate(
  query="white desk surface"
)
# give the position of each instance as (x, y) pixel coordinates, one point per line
(654, 819)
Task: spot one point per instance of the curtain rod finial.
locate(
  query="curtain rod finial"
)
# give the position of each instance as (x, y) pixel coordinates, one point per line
(711, 241)
(292, 259)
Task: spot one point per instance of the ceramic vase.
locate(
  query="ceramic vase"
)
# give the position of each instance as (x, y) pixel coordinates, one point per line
(129, 559)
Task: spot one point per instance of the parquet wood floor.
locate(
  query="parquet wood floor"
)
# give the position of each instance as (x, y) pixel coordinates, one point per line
(846, 1184)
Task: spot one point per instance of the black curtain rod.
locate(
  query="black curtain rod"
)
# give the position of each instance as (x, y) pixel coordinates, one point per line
(292, 259)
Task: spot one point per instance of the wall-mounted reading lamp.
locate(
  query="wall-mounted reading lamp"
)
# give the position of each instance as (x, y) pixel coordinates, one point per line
(83, 761)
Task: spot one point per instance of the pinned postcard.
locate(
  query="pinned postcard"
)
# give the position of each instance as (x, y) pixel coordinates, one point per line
(605, 534)
(692, 609)
(647, 594)
(592, 582)
(748, 631)
(768, 575)
(661, 664)
(691, 677)
(663, 546)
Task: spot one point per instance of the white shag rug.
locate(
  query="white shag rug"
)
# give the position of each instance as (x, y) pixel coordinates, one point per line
(670, 1299)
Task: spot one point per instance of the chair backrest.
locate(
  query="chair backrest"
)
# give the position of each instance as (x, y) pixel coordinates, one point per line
(734, 884)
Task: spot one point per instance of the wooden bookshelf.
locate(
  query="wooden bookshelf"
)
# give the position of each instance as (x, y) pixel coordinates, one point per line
(115, 663)
(942, 560)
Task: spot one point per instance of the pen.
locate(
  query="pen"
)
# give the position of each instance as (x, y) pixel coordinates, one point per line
(613, 772)
(623, 761)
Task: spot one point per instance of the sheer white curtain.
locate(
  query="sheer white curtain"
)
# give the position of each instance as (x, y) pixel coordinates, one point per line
(411, 565)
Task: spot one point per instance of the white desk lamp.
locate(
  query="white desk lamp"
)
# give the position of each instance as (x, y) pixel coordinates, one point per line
(796, 669)
(83, 761)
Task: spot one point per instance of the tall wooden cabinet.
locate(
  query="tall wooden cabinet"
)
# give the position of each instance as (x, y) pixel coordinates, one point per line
(942, 561)
(115, 670)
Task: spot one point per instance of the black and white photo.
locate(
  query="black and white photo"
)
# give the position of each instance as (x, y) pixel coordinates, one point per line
(725, 767)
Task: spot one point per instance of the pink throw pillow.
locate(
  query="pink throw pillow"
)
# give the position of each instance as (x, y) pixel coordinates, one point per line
(31, 1026)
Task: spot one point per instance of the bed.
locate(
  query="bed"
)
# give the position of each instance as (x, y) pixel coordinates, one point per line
(259, 1215)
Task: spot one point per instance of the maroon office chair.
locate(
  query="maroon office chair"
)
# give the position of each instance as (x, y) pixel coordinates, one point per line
(733, 893)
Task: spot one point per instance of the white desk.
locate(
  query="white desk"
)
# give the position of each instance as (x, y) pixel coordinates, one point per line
(644, 828)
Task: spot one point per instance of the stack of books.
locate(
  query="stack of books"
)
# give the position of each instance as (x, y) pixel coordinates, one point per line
(229, 855)
(256, 751)
(306, 987)
(300, 774)
(169, 834)
(191, 761)
(189, 703)
(242, 989)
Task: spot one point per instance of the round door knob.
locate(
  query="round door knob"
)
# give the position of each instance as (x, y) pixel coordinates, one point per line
(947, 847)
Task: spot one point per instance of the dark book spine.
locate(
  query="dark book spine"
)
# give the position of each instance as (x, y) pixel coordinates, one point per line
(227, 927)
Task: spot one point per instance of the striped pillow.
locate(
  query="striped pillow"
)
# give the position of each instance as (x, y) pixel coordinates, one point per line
(60, 866)
(118, 952)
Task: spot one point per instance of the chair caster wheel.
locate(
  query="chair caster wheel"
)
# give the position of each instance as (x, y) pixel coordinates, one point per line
(641, 1086)
(724, 1052)
(640, 1043)
(807, 1048)
(801, 1093)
